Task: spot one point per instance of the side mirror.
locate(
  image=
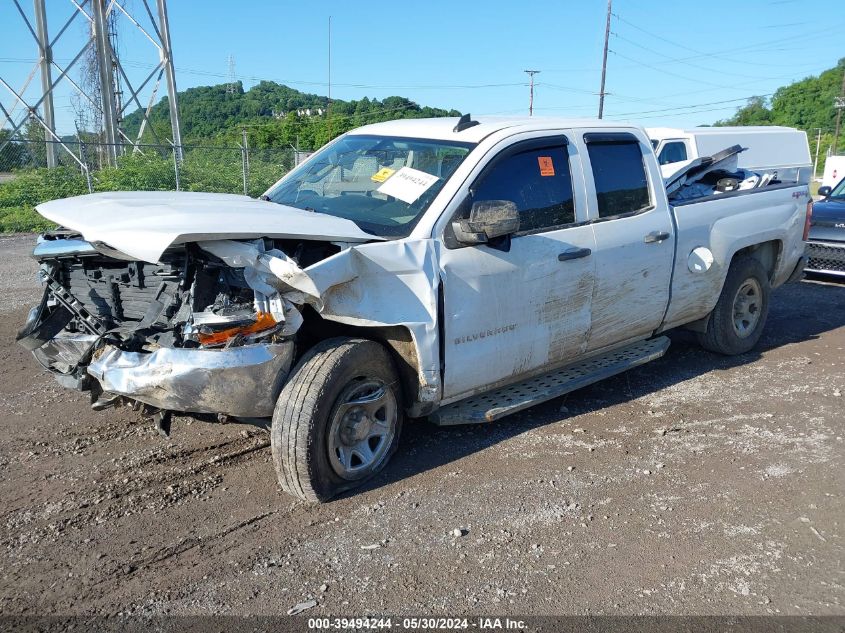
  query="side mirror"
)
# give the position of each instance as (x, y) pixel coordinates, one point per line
(824, 192)
(488, 219)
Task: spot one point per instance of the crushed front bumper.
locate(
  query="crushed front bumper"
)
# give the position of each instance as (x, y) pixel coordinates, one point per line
(825, 257)
(239, 381)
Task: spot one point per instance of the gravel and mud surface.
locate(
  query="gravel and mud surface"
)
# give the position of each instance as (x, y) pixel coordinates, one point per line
(693, 485)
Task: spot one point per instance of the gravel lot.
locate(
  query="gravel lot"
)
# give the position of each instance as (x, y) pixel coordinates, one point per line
(693, 485)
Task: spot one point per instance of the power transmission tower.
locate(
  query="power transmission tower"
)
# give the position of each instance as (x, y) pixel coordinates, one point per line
(102, 16)
(531, 74)
(604, 58)
(45, 58)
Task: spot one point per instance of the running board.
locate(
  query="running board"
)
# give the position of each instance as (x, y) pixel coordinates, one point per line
(493, 405)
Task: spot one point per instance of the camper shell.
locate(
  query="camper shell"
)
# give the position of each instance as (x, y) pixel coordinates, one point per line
(781, 151)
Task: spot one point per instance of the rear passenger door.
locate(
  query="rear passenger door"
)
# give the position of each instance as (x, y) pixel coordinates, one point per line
(634, 240)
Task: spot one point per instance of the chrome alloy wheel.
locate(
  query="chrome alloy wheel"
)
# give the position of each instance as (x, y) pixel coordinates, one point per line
(747, 307)
(362, 428)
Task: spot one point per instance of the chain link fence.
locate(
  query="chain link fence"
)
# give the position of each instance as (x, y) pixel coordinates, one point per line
(145, 167)
(85, 167)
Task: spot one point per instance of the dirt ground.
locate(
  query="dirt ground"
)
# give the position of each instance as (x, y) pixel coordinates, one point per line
(693, 485)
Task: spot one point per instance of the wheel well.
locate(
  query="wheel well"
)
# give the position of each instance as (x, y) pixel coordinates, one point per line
(767, 253)
(396, 339)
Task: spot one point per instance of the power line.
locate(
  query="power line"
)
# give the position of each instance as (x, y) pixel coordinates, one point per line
(658, 116)
(667, 72)
(567, 88)
(741, 86)
(687, 107)
(682, 61)
(747, 48)
(206, 73)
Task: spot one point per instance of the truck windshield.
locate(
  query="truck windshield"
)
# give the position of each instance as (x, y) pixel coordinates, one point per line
(383, 184)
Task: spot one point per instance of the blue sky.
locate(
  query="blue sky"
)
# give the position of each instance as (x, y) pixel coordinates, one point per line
(682, 63)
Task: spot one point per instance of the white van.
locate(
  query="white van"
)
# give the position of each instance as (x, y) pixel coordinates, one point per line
(780, 150)
(834, 171)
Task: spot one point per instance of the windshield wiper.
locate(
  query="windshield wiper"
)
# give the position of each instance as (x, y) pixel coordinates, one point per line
(286, 204)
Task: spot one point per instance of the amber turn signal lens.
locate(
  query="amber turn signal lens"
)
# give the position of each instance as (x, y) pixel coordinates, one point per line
(263, 321)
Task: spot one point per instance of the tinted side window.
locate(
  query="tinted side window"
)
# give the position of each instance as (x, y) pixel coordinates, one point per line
(619, 174)
(672, 153)
(538, 181)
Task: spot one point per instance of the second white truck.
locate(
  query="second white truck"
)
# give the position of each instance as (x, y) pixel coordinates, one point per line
(456, 269)
(782, 151)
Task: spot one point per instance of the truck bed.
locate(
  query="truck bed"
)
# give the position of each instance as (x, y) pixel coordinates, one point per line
(712, 229)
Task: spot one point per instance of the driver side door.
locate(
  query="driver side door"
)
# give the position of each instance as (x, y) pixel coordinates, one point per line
(521, 304)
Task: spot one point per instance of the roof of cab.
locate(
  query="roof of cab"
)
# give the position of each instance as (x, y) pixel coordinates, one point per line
(442, 128)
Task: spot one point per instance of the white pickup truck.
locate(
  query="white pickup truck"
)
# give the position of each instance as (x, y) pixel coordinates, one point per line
(456, 269)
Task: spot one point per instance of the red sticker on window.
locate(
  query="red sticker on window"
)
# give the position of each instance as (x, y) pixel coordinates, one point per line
(547, 167)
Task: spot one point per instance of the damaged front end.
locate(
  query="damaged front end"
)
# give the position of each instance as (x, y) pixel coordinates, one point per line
(208, 329)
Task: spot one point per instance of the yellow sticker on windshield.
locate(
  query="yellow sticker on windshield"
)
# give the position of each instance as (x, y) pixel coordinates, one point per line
(382, 174)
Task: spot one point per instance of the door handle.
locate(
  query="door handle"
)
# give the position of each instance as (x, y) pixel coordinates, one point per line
(656, 236)
(574, 253)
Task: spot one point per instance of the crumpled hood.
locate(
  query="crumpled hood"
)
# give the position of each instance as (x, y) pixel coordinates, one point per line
(143, 224)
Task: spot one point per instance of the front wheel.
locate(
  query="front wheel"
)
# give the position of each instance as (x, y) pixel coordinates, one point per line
(337, 420)
(737, 321)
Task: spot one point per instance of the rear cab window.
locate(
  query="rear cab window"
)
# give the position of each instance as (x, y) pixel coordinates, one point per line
(672, 152)
(619, 173)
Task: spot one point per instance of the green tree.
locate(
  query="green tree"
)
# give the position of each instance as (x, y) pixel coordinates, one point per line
(14, 155)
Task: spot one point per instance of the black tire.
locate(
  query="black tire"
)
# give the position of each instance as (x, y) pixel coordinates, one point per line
(310, 402)
(724, 334)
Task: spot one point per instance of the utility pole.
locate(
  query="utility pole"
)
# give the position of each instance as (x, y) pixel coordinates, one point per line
(329, 103)
(839, 104)
(231, 87)
(604, 58)
(245, 160)
(531, 74)
(818, 144)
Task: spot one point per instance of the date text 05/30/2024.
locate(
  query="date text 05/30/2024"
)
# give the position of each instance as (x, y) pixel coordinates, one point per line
(412, 623)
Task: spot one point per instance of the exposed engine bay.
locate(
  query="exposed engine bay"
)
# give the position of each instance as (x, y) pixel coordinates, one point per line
(206, 329)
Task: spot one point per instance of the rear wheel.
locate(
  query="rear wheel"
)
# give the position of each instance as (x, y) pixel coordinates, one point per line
(338, 419)
(737, 321)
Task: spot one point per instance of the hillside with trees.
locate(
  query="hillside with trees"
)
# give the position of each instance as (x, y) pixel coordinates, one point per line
(805, 104)
(278, 118)
(273, 115)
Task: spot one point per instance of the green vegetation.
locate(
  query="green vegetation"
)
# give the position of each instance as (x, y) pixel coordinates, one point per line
(277, 119)
(202, 170)
(273, 115)
(22, 220)
(805, 104)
